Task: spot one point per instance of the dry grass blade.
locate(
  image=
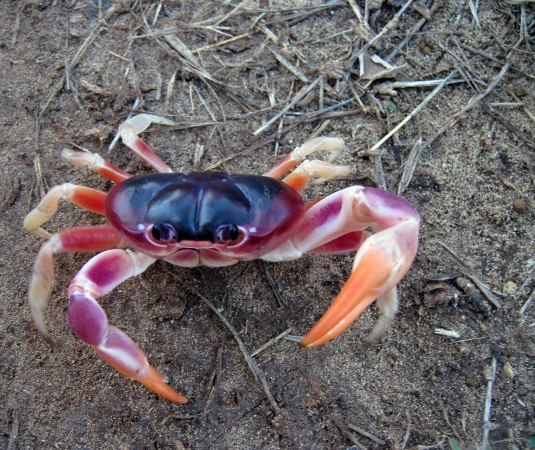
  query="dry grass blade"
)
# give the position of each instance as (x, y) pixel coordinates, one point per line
(365, 433)
(473, 10)
(189, 59)
(434, 7)
(412, 114)
(298, 97)
(410, 165)
(14, 433)
(219, 44)
(472, 275)
(388, 27)
(490, 376)
(257, 373)
(16, 28)
(271, 342)
(528, 302)
(474, 101)
(509, 125)
(77, 57)
(289, 66)
(276, 292)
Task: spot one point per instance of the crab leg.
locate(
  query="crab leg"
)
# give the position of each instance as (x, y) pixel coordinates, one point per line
(380, 263)
(300, 153)
(132, 127)
(88, 320)
(88, 198)
(81, 239)
(95, 163)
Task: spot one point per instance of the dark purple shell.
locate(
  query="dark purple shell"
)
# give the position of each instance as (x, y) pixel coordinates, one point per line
(203, 207)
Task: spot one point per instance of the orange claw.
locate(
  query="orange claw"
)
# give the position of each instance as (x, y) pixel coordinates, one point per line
(155, 381)
(365, 284)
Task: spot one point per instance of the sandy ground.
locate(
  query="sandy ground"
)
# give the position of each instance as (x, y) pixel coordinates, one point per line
(474, 187)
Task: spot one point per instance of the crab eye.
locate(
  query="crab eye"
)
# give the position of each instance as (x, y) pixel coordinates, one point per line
(227, 233)
(163, 232)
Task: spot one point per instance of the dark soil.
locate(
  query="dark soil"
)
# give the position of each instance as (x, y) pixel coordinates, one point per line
(416, 388)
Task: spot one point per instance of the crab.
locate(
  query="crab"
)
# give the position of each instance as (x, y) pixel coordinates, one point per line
(217, 219)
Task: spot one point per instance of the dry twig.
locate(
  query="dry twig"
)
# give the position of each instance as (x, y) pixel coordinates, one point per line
(472, 275)
(257, 373)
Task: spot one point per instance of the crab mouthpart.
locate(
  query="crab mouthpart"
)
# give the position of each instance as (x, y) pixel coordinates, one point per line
(195, 244)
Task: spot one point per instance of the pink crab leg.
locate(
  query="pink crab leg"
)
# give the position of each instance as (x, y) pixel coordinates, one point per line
(95, 163)
(88, 198)
(81, 239)
(132, 127)
(88, 320)
(380, 263)
(291, 160)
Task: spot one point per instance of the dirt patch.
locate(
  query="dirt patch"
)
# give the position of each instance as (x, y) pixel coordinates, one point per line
(71, 72)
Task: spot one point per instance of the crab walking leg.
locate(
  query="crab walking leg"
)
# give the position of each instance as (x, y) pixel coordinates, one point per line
(95, 163)
(88, 320)
(81, 239)
(388, 305)
(291, 160)
(301, 176)
(88, 198)
(380, 263)
(137, 124)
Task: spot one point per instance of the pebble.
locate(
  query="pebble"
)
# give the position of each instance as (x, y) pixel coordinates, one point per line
(509, 287)
(471, 382)
(508, 370)
(519, 205)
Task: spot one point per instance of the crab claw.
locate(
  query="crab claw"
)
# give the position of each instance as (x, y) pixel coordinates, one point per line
(379, 265)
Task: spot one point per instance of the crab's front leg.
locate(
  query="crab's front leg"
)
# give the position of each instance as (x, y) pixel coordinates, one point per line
(88, 320)
(380, 263)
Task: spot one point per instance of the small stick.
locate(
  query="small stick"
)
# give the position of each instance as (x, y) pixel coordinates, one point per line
(473, 9)
(117, 56)
(257, 373)
(491, 375)
(474, 101)
(410, 166)
(413, 113)
(298, 97)
(436, 5)
(408, 432)
(447, 419)
(388, 27)
(158, 33)
(233, 12)
(289, 66)
(528, 302)
(16, 28)
(471, 274)
(219, 44)
(14, 433)
(157, 13)
(345, 431)
(271, 342)
(388, 87)
(527, 111)
(78, 56)
(276, 292)
(365, 433)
